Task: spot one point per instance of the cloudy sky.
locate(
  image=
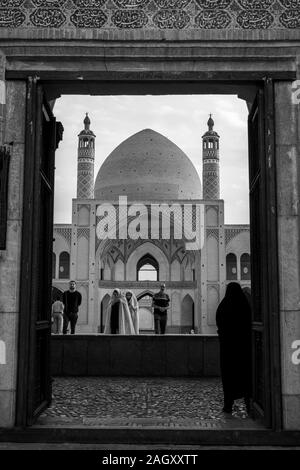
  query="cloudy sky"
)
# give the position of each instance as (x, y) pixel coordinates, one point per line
(180, 118)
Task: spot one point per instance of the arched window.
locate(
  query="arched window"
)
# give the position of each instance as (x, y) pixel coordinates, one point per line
(64, 265)
(147, 269)
(231, 267)
(245, 267)
(53, 265)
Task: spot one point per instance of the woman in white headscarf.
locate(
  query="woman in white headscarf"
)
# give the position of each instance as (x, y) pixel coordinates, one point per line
(118, 318)
(134, 309)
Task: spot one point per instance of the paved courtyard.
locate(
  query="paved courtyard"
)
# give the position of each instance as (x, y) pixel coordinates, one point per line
(159, 402)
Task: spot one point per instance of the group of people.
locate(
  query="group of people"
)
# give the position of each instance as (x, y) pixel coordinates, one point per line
(122, 315)
(65, 311)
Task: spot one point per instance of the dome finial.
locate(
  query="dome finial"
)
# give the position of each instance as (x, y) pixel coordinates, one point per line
(210, 123)
(87, 121)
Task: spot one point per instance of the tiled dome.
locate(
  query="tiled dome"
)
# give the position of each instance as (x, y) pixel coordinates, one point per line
(147, 166)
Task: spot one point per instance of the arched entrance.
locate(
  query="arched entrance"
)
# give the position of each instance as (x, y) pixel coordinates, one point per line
(145, 311)
(187, 314)
(267, 391)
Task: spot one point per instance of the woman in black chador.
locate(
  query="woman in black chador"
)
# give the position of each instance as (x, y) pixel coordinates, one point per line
(234, 329)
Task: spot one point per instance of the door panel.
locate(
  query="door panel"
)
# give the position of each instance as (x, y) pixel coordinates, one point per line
(265, 304)
(34, 381)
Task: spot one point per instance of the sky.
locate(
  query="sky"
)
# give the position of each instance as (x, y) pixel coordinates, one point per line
(181, 118)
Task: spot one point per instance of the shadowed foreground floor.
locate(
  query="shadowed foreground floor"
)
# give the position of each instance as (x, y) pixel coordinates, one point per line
(142, 402)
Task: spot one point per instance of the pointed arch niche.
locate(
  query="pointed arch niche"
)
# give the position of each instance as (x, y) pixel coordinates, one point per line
(187, 314)
(175, 271)
(119, 270)
(147, 248)
(212, 259)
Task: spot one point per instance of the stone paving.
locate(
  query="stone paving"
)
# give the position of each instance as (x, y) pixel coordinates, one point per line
(150, 402)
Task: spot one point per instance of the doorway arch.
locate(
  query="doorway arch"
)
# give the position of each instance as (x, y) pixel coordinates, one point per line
(270, 295)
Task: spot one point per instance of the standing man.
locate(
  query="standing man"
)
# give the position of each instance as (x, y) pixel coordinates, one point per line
(72, 301)
(160, 303)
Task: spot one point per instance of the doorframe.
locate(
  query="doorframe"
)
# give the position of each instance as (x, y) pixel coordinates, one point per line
(26, 274)
(27, 250)
(37, 109)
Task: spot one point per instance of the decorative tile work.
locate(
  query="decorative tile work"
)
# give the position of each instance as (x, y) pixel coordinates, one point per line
(11, 3)
(11, 18)
(256, 4)
(49, 3)
(155, 15)
(48, 18)
(214, 4)
(211, 19)
(212, 232)
(66, 233)
(290, 3)
(256, 19)
(171, 19)
(132, 19)
(165, 4)
(83, 232)
(89, 18)
(230, 233)
(130, 3)
(290, 19)
(89, 3)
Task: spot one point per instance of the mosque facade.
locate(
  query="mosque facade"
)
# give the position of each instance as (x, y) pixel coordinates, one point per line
(146, 182)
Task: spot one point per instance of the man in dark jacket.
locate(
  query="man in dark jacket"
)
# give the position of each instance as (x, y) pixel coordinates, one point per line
(160, 304)
(71, 300)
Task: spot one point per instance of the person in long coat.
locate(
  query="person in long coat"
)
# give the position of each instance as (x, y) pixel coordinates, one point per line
(118, 317)
(233, 320)
(134, 309)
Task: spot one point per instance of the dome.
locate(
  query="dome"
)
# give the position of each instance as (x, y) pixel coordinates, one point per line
(147, 166)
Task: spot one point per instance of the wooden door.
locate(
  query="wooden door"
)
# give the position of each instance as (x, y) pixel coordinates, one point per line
(264, 268)
(34, 380)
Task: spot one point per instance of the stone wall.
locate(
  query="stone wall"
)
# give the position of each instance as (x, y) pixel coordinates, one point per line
(10, 259)
(287, 161)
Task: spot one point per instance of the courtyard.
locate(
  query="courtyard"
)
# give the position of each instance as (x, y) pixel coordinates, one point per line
(141, 402)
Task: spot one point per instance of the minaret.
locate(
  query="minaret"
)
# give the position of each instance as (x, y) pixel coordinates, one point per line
(211, 170)
(86, 159)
